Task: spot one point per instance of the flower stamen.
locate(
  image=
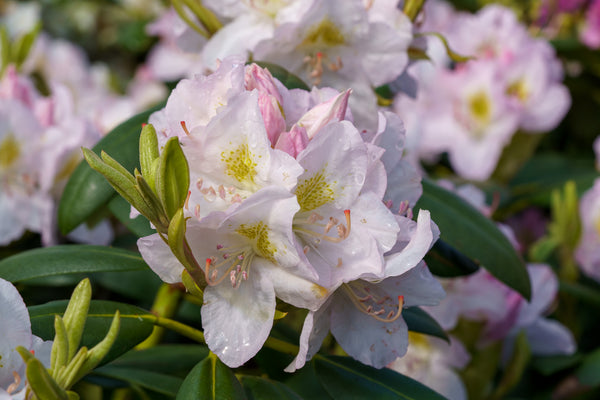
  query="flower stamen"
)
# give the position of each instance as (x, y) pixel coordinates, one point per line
(372, 305)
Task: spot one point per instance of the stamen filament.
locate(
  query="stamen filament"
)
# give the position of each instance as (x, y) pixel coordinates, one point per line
(359, 302)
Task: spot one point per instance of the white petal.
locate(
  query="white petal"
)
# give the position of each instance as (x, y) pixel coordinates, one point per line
(314, 331)
(15, 330)
(422, 240)
(237, 321)
(159, 257)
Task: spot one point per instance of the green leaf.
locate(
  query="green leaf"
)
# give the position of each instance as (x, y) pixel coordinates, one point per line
(288, 79)
(345, 378)
(68, 259)
(136, 324)
(42, 383)
(138, 285)
(445, 261)
(211, 379)
(421, 322)
(173, 178)
(165, 358)
(306, 384)
(157, 382)
(470, 232)
(87, 191)
(587, 373)
(265, 389)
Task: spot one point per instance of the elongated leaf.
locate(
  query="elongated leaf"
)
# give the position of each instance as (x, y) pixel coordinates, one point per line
(87, 191)
(157, 382)
(211, 380)
(68, 259)
(421, 322)
(345, 378)
(445, 261)
(166, 358)
(288, 79)
(471, 233)
(136, 324)
(264, 389)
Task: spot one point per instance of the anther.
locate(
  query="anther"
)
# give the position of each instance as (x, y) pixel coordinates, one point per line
(185, 129)
(15, 385)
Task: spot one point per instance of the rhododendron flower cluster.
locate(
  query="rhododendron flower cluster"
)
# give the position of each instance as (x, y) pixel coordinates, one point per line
(360, 45)
(512, 83)
(40, 139)
(279, 207)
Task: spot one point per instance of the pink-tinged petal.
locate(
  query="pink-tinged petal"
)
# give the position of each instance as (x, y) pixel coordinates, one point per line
(332, 110)
(363, 337)
(314, 331)
(271, 113)
(292, 142)
(160, 259)
(420, 243)
(195, 101)
(261, 79)
(15, 330)
(237, 321)
(548, 111)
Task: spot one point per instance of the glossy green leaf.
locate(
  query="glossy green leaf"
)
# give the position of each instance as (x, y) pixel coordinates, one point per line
(139, 285)
(87, 191)
(173, 177)
(157, 382)
(211, 380)
(445, 261)
(136, 324)
(419, 321)
(474, 235)
(265, 389)
(345, 378)
(288, 79)
(165, 358)
(68, 259)
(306, 384)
